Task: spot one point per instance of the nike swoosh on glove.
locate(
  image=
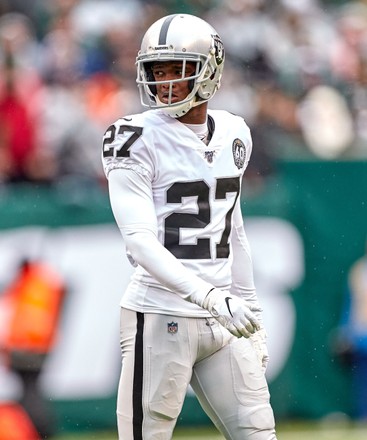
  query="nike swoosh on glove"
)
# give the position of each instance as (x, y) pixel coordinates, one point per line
(259, 343)
(233, 312)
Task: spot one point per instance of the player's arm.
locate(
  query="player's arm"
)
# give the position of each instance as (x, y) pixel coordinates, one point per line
(243, 281)
(242, 268)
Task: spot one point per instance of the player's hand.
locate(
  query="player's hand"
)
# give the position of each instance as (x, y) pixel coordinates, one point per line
(233, 312)
(260, 346)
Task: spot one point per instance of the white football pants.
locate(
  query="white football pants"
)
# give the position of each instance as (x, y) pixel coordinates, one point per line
(162, 355)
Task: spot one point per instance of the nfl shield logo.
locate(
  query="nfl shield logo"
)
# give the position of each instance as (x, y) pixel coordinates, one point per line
(172, 327)
(209, 155)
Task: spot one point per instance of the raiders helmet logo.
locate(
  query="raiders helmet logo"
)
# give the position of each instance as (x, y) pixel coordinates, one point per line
(219, 49)
(239, 153)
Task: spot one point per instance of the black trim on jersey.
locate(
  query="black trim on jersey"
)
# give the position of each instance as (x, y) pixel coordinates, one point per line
(138, 379)
(211, 128)
(164, 30)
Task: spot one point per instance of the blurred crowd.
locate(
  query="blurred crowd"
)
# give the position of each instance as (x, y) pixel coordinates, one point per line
(295, 70)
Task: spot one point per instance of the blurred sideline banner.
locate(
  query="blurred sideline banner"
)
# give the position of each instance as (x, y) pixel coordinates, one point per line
(305, 227)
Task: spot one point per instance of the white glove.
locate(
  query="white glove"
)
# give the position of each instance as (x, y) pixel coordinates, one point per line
(233, 312)
(259, 343)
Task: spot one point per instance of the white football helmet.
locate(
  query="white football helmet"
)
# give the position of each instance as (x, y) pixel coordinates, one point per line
(186, 38)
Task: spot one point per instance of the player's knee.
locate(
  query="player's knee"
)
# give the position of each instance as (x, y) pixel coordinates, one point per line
(260, 417)
(165, 406)
(164, 411)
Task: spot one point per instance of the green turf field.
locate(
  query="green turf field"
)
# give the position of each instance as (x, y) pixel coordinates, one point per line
(285, 431)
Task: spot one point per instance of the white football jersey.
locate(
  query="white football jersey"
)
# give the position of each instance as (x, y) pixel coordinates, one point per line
(176, 194)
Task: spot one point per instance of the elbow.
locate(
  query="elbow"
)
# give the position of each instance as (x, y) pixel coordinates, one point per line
(138, 244)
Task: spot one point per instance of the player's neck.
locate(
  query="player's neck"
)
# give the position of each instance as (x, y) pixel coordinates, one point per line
(197, 115)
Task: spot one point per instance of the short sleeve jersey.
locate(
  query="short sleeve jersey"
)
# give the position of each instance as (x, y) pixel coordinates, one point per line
(195, 188)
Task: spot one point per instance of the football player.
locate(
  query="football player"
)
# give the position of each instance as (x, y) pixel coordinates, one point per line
(190, 314)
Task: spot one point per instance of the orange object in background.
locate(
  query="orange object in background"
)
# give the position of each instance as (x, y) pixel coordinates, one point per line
(30, 306)
(34, 300)
(15, 423)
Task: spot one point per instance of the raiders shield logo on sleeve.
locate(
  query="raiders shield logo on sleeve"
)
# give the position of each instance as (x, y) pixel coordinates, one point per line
(239, 153)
